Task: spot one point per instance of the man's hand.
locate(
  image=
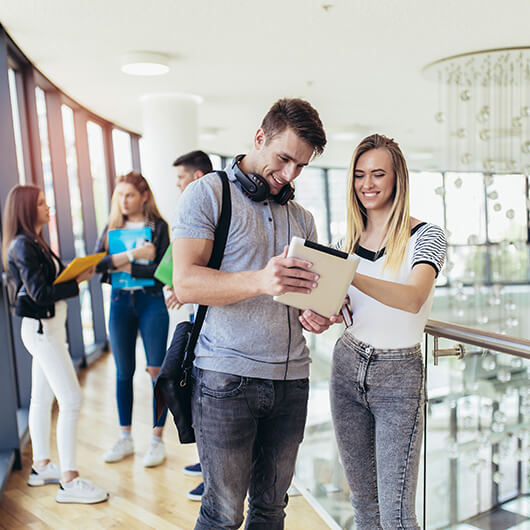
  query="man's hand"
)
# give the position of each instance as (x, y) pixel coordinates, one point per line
(287, 275)
(316, 323)
(171, 298)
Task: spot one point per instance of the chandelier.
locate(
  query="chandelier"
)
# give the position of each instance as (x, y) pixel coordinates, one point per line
(483, 113)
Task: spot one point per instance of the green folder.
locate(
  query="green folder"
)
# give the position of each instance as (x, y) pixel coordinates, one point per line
(164, 271)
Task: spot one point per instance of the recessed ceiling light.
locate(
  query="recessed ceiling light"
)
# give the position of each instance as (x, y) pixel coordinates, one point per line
(145, 63)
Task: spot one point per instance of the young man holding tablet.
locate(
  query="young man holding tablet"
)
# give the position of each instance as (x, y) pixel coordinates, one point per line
(252, 364)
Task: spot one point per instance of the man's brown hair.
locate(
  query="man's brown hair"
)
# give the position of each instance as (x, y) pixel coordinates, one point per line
(301, 117)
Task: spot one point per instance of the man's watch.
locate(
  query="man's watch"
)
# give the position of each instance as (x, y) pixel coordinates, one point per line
(130, 256)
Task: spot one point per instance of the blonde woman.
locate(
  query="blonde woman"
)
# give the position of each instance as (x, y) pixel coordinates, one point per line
(137, 308)
(377, 382)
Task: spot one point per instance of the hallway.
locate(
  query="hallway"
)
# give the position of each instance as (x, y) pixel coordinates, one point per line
(139, 498)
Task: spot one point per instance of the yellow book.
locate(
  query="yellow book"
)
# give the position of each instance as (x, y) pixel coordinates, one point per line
(79, 265)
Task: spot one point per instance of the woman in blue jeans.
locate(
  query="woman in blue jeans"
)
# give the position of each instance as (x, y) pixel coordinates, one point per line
(377, 382)
(136, 309)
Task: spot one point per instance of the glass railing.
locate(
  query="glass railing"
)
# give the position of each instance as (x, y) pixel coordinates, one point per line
(476, 447)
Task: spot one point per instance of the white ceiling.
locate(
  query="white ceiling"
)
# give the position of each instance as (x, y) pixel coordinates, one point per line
(359, 63)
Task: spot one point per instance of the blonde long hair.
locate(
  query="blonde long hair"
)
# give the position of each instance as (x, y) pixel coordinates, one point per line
(398, 223)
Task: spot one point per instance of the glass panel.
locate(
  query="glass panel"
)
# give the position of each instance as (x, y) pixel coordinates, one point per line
(466, 218)
(98, 170)
(499, 308)
(309, 192)
(16, 126)
(510, 262)
(466, 263)
(507, 217)
(477, 433)
(77, 220)
(40, 99)
(337, 182)
(319, 472)
(121, 142)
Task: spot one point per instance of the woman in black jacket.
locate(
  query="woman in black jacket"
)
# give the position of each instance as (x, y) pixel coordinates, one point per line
(135, 307)
(31, 270)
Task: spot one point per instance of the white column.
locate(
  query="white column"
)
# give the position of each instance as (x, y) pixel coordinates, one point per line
(170, 129)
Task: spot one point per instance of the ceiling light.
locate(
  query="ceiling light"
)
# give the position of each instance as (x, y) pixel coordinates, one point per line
(145, 63)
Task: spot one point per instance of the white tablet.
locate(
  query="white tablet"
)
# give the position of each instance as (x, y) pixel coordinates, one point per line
(336, 270)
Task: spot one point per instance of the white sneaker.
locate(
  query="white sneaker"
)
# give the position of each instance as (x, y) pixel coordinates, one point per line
(81, 491)
(156, 454)
(50, 474)
(122, 448)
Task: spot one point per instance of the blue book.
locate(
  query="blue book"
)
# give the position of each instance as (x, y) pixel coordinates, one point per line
(121, 240)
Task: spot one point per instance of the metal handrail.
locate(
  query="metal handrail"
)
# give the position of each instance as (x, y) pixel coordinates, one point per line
(478, 337)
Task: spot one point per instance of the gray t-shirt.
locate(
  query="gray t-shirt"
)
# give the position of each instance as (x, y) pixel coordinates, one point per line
(257, 337)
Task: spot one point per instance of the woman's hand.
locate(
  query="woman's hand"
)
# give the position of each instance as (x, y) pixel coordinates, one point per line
(146, 251)
(124, 268)
(316, 323)
(86, 275)
(171, 298)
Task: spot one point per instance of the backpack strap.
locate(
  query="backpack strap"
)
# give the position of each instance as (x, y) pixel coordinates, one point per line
(220, 237)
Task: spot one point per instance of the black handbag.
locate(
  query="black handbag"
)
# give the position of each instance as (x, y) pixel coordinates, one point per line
(174, 382)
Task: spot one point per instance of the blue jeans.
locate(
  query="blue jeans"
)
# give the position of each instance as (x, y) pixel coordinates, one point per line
(248, 431)
(130, 311)
(377, 399)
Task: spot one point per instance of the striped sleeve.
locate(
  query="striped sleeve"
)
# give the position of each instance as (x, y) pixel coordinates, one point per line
(430, 247)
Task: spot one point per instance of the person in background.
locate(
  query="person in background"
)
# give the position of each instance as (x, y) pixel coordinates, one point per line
(137, 308)
(377, 380)
(31, 269)
(190, 167)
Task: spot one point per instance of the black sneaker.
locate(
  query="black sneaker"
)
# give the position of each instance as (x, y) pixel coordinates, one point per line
(196, 494)
(194, 470)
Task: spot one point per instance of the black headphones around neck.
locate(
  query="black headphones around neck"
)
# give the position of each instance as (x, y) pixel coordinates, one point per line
(256, 188)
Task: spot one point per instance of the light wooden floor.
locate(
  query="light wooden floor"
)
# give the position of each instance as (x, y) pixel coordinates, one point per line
(139, 497)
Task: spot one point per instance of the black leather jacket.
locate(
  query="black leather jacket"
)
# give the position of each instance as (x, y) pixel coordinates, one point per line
(30, 275)
(160, 231)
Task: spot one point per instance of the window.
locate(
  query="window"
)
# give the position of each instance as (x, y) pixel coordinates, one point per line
(77, 219)
(426, 197)
(98, 170)
(217, 162)
(121, 142)
(337, 182)
(310, 193)
(506, 208)
(40, 99)
(466, 216)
